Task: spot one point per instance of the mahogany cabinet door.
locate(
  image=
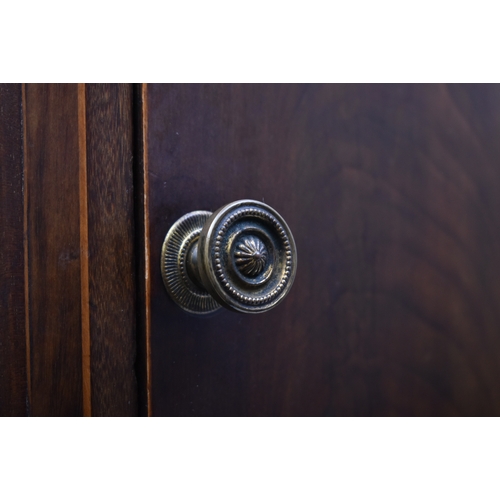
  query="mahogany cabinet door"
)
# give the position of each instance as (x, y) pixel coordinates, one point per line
(392, 193)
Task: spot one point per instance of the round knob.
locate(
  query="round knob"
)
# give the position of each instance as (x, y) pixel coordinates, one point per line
(242, 256)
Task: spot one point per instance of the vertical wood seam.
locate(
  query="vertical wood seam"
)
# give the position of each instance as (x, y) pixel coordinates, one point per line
(147, 270)
(26, 250)
(84, 253)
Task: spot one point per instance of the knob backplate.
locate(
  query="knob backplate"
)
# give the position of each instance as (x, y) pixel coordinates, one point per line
(179, 241)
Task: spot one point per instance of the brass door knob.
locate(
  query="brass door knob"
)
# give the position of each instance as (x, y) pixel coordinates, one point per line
(242, 256)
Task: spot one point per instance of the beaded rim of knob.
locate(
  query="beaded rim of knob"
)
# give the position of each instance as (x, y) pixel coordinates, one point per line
(246, 298)
(215, 250)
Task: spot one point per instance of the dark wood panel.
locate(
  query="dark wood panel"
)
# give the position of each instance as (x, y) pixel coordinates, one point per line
(111, 249)
(391, 192)
(53, 232)
(13, 374)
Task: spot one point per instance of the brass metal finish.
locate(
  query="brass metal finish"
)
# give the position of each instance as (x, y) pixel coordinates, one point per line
(251, 256)
(182, 286)
(243, 255)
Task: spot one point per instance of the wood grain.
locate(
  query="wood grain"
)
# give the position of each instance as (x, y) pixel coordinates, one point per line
(13, 369)
(111, 249)
(76, 348)
(391, 192)
(53, 234)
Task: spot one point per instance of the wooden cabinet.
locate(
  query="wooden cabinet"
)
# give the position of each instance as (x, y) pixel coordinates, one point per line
(391, 192)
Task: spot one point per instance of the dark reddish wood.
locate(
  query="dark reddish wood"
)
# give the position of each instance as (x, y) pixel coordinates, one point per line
(13, 376)
(52, 178)
(111, 249)
(391, 192)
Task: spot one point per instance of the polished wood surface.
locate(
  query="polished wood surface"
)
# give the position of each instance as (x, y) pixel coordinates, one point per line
(53, 233)
(68, 339)
(13, 372)
(111, 249)
(391, 192)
